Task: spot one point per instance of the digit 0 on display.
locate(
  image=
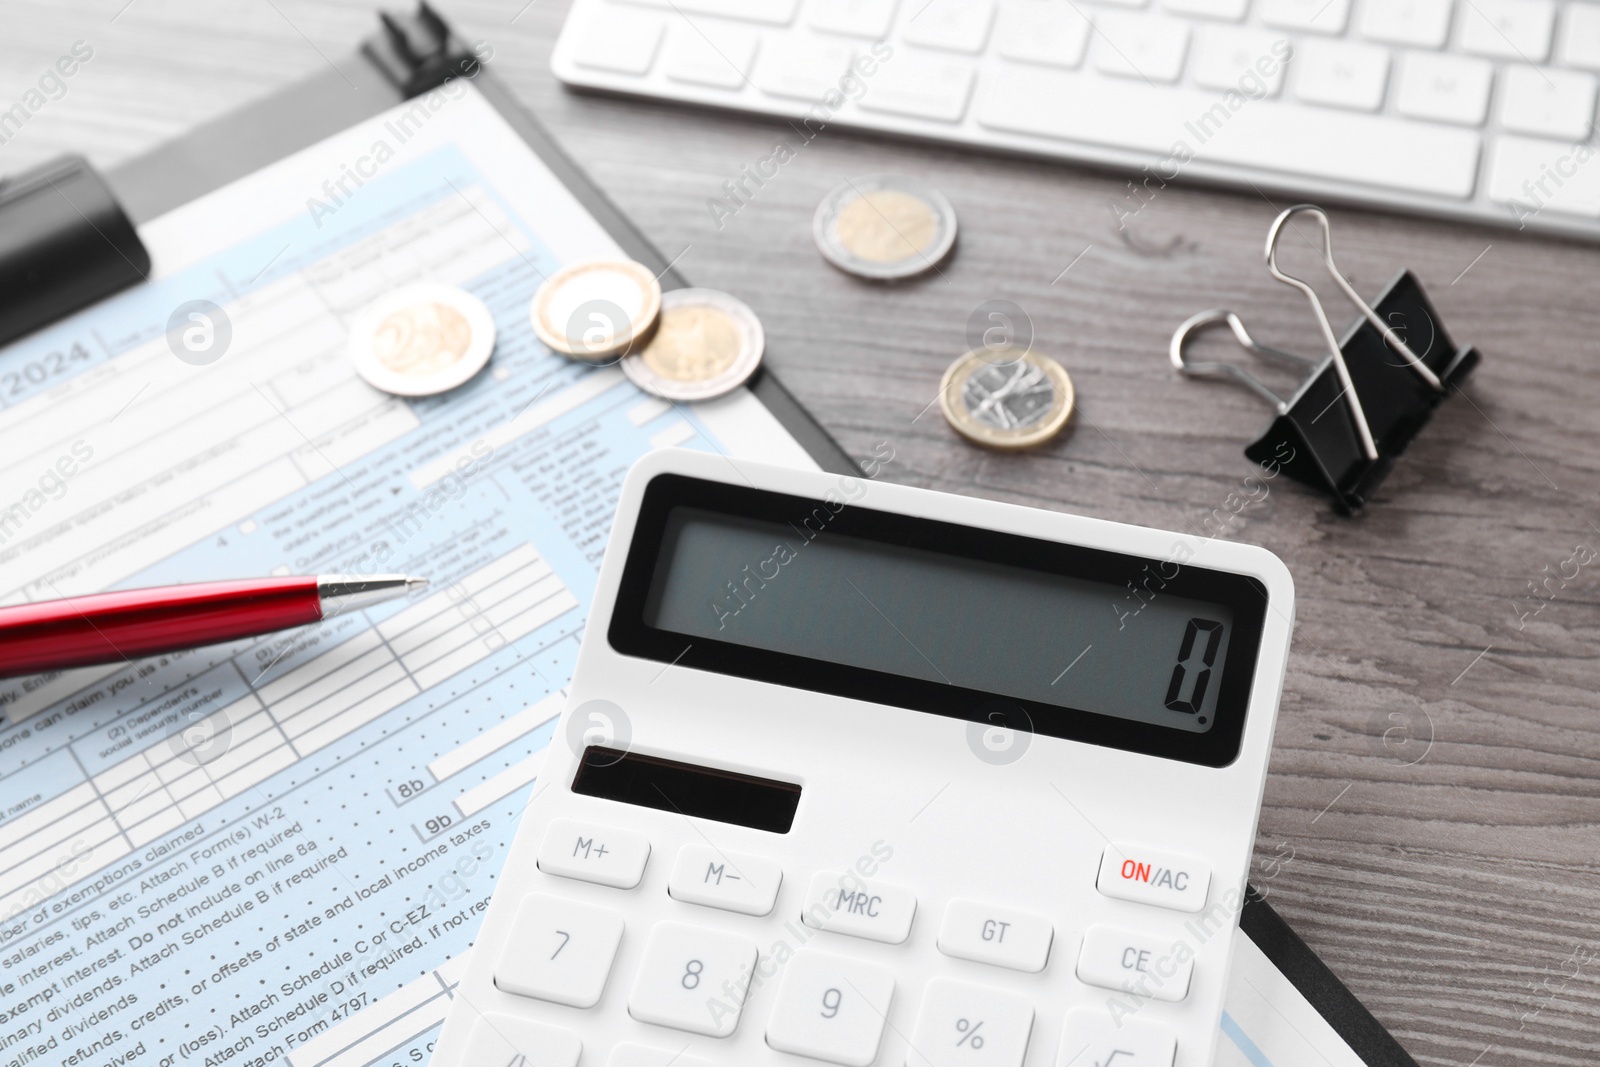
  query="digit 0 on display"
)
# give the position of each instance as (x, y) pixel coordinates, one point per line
(1202, 677)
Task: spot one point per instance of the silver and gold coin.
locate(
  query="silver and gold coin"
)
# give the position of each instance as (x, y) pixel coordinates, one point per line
(884, 227)
(1006, 399)
(597, 310)
(707, 344)
(421, 339)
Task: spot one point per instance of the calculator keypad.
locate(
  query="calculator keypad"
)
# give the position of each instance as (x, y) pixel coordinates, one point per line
(846, 904)
(733, 881)
(1091, 1038)
(560, 951)
(831, 1009)
(966, 1025)
(1004, 937)
(693, 979)
(1134, 962)
(826, 1007)
(507, 1039)
(592, 852)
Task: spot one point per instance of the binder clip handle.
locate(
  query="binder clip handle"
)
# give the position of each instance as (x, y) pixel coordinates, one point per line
(1207, 320)
(1390, 337)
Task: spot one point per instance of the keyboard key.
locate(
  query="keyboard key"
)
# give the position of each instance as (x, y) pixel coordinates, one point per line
(693, 979)
(1227, 55)
(732, 881)
(591, 852)
(1314, 16)
(1341, 74)
(1507, 29)
(1532, 176)
(953, 25)
(1005, 937)
(1423, 23)
(710, 54)
(1153, 876)
(630, 1055)
(1047, 32)
(1580, 36)
(508, 1039)
(964, 1025)
(1335, 145)
(771, 12)
(1135, 963)
(802, 69)
(620, 41)
(1091, 1037)
(1557, 103)
(831, 1009)
(1148, 47)
(1447, 88)
(846, 904)
(559, 950)
(1231, 10)
(922, 86)
(852, 18)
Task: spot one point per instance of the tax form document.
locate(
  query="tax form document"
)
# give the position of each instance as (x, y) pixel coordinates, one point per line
(275, 852)
(231, 855)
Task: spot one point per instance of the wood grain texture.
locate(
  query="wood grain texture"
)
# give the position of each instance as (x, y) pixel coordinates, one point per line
(1432, 820)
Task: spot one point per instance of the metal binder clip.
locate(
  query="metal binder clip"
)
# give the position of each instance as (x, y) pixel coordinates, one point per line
(1362, 403)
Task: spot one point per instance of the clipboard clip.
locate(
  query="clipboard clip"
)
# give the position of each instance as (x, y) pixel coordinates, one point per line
(417, 52)
(1360, 404)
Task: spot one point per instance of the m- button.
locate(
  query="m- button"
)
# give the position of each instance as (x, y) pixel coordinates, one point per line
(1152, 876)
(733, 881)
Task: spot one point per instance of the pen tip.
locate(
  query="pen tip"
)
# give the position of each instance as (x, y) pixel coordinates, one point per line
(416, 583)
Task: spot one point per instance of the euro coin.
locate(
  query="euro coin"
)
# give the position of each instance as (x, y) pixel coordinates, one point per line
(421, 339)
(707, 344)
(1007, 399)
(597, 310)
(884, 227)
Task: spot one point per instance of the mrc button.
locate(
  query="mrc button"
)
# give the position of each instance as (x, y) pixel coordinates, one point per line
(841, 902)
(1151, 876)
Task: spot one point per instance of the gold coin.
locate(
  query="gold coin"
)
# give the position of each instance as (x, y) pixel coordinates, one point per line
(422, 339)
(707, 343)
(1006, 399)
(884, 227)
(693, 344)
(887, 226)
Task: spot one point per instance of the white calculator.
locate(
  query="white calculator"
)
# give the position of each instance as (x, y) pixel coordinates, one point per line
(855, 773)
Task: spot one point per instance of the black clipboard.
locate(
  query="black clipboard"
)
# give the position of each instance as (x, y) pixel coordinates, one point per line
(319, 106)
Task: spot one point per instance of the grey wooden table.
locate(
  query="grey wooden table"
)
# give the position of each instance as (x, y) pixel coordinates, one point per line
(1432, 821)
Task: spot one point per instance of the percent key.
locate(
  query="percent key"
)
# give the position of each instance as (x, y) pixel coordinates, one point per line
(965, 1025)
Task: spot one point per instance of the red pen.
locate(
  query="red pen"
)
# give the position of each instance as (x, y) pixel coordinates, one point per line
(53, 635)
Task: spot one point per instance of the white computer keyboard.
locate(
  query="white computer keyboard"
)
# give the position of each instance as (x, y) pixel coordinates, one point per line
(1473, 109)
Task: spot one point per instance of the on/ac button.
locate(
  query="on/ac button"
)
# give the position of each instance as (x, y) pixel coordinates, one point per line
(1153, 876)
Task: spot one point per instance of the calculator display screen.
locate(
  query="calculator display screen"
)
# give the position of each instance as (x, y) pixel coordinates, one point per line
(1062, 640)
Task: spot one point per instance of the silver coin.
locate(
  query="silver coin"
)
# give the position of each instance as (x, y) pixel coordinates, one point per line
(597, 310)
(884, 227)
(707, 343)
(1011, 405)
(421, 339)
